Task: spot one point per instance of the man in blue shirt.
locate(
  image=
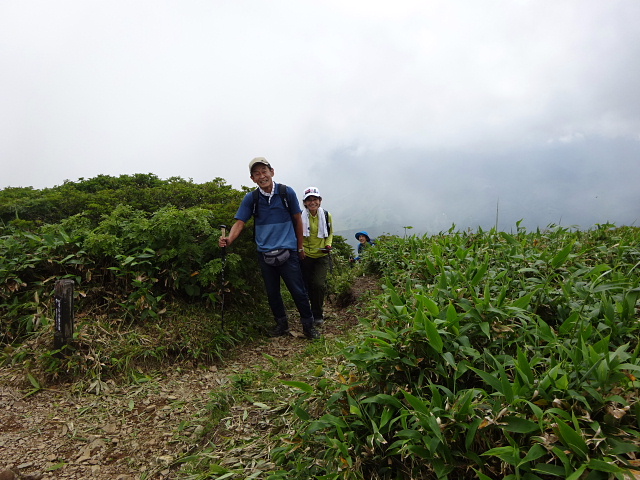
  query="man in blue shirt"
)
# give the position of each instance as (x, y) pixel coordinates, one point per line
(279, 238)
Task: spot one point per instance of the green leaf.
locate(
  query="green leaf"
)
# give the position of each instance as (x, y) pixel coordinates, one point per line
(432, 307)
(128, 260)
(395, 298)
(524, 301)
(569, 324)
(497, 451)
(384, 399)
(481, 476)
(603, 466)
(463, 401)
(629, 366)
(578, 473)
(305, 387)
(506, 454)
(486, 329)
(598, 269)
(561, 256)
(333, 420)
(572, 439)
(519, 425)
(450, 359)
(430, 266)
(618, 447)
(433, 335)
(387, 415)
(489, 379)
(432, 422)
(344, 449)
(548, 469)
(479, 274)
(524, 367)
(507, 388)
(301, 413)
(452, 315)
(33, 381)
(315, 426)
(606, 286)
(471, 434)
(57, 466)
(417, 404)
(534, 453)
(420, 451)
(355, 410)
(408, 433)
(215, 468)
(535, 409)
(564, 458)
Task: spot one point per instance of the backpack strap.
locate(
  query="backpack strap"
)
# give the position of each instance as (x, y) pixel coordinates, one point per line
(283, 197)
(326, 218)
(256, 198)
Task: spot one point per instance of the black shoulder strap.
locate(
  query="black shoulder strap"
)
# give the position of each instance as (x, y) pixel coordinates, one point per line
(326, 217)
(256, 199)
(283, 197)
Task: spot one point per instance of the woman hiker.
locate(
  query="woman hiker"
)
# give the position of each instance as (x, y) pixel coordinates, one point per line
(317, 228)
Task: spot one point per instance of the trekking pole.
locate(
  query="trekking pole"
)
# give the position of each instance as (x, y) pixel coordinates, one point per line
(223, 233)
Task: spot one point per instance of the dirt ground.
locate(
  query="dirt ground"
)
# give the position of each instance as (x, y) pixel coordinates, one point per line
(129, 432)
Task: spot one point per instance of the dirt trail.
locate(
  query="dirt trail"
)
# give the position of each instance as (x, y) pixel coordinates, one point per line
(129, 432)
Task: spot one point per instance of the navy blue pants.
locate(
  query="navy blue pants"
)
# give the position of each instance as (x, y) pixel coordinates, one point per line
(291, 273)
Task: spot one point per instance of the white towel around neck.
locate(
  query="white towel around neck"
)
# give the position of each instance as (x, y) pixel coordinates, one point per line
(323, 231)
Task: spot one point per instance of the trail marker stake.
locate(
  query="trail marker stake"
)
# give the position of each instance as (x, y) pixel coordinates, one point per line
(64, 313)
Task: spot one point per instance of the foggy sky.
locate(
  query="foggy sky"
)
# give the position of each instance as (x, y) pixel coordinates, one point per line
(416, 113)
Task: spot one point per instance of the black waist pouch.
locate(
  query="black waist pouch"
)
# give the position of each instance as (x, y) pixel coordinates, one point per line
(275, 258)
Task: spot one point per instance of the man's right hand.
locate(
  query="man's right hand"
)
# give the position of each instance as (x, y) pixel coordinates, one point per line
(236, 229)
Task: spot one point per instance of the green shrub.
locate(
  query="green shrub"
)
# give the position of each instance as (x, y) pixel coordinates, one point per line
(131, 244)
(493, 355)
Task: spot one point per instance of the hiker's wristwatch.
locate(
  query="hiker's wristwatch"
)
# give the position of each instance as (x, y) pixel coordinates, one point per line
(300, 250)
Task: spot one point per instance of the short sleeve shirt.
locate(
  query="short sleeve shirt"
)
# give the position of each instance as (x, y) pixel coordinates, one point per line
(273, 223)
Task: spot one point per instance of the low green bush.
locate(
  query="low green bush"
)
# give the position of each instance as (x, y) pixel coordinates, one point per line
(493, 355)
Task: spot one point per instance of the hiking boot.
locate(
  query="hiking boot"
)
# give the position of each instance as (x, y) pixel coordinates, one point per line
(309, 329)
(281, 329)
(318, 321)
(311, 333)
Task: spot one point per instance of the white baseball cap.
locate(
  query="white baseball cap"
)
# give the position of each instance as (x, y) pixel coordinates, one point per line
(311, 192)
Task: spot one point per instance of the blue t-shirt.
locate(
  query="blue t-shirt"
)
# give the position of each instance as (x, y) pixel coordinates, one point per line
(273, 223)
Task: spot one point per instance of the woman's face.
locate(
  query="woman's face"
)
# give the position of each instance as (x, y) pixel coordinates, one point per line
(312, 204)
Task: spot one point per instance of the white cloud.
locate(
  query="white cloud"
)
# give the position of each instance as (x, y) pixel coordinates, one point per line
(197, 88)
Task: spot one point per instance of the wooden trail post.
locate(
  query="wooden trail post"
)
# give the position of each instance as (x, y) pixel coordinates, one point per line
(64, 313)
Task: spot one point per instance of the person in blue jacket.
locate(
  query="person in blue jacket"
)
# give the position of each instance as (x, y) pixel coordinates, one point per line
(365, 242)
